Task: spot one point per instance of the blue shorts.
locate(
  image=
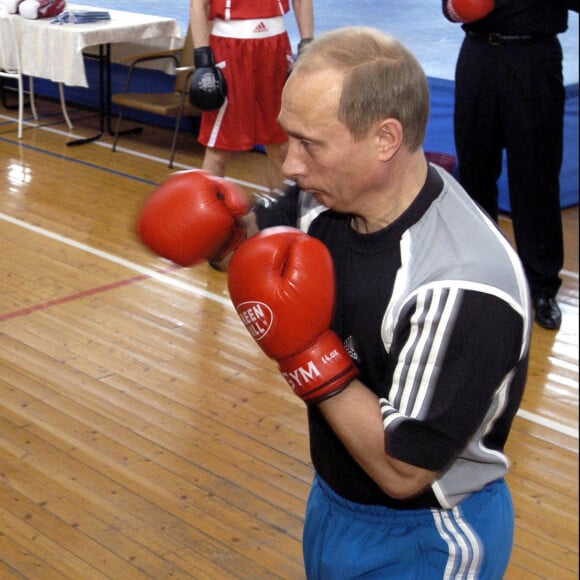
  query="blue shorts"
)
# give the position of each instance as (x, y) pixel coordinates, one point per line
(344, 540)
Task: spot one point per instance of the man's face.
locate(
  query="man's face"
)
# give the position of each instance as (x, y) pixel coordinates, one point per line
(323, 156)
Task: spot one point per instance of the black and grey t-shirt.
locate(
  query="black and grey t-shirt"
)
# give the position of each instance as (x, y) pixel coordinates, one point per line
(435, 311)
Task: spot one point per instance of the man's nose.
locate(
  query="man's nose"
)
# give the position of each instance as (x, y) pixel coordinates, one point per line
(292, 166)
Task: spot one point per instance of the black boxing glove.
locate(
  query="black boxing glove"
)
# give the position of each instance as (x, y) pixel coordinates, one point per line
(208, 88)
(303, 44)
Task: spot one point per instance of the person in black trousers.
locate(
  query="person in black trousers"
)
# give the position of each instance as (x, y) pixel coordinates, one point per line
(509, 94)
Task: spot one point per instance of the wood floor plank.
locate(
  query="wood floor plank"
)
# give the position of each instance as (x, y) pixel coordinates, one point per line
(18, 561)
(144, 496)
(526, 565)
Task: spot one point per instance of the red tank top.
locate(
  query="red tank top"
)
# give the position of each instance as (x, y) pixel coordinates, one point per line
(246, 9)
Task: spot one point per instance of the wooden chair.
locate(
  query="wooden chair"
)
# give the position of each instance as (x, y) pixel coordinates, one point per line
(170, 104)
(10, 67)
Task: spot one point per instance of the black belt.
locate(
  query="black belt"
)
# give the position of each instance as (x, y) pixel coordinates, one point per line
(497, 39)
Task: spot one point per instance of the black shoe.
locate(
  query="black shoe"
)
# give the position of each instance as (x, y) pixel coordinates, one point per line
(548, 313)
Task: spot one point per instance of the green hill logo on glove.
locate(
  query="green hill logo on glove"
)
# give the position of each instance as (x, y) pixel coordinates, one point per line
(257, 318)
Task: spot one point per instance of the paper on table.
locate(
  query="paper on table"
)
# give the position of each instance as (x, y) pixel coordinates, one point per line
(81, 17)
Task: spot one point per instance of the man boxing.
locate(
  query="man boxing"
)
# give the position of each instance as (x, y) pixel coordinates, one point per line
(395, 310)
(243, 56)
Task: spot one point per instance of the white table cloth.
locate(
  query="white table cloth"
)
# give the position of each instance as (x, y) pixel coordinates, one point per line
(55, 51)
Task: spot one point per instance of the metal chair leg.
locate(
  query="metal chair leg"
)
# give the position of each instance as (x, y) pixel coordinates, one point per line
(31, 97)
(63, 105)
(118, 128)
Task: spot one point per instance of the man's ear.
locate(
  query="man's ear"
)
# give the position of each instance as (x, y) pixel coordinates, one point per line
(390, 135)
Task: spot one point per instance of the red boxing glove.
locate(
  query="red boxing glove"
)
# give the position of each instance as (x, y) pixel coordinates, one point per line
(281, 282)
(191, 217)
(468, 10)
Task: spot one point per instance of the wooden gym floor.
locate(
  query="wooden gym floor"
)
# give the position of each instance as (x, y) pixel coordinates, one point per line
(142, 432)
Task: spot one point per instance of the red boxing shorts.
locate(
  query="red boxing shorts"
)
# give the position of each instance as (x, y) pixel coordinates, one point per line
(255, 65)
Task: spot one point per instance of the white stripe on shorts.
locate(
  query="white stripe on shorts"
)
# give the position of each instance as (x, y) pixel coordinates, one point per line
(464, 549)
(215, 131)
